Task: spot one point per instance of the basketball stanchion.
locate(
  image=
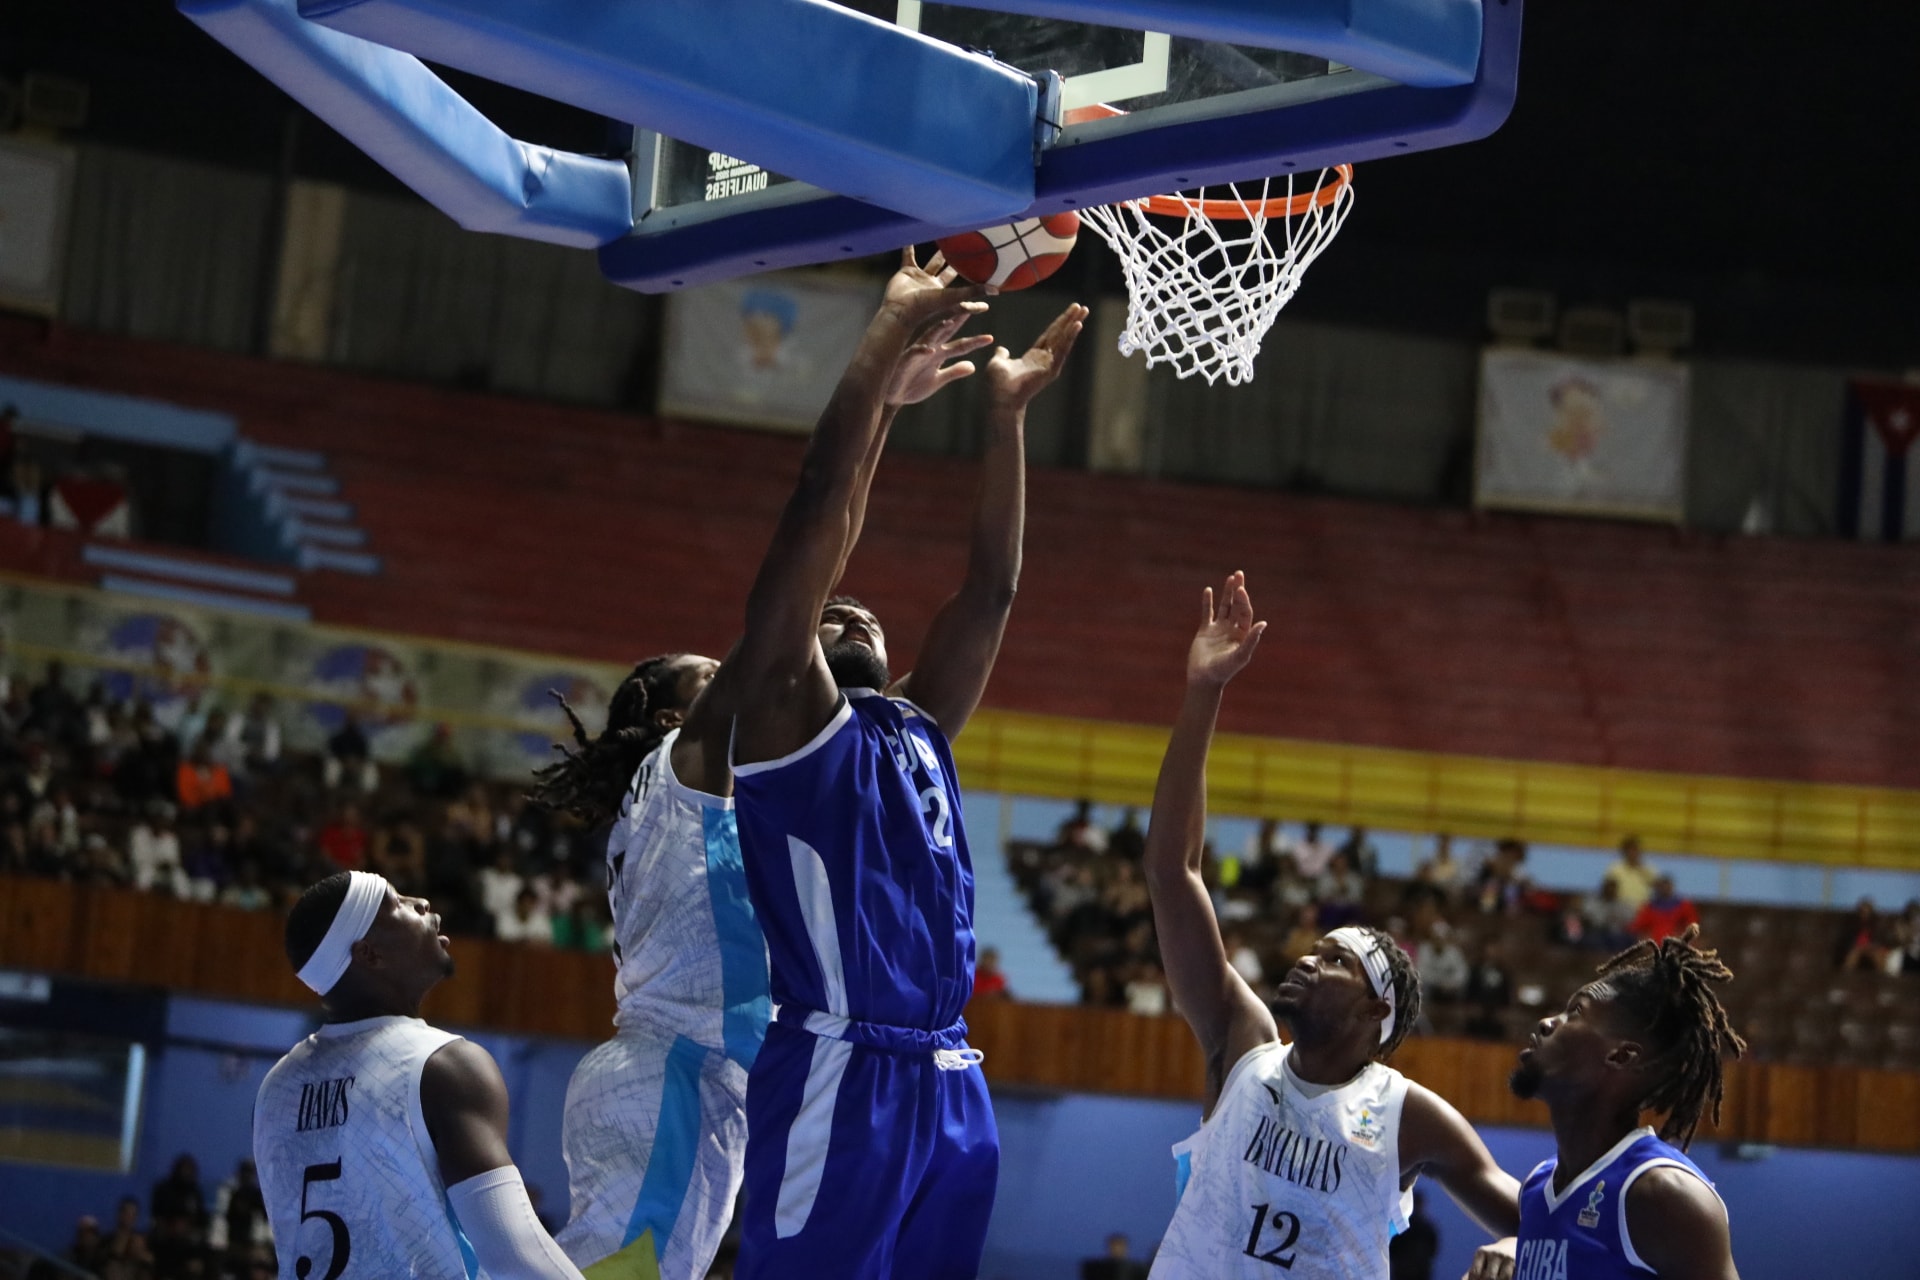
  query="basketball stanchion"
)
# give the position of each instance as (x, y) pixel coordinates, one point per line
(1208, 275)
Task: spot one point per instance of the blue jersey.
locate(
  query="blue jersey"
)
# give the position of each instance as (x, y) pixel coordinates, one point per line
(1580, 1233)
(856, 859)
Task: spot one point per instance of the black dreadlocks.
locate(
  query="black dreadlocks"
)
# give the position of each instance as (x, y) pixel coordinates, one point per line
(1665, 986)
(589, 782)
(1406, 989)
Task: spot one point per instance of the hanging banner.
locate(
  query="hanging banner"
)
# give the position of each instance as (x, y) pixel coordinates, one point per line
(1582, 436)
(765, 351)
(36, 181)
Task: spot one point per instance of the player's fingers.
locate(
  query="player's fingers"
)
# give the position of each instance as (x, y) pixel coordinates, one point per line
(1206, 606)
(936, 264)
(907, 261)
(952, 373)
(968, 345)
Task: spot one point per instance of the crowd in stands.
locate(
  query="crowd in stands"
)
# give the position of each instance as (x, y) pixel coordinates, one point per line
(200, 801)
(188, 1235)
(1491, 945)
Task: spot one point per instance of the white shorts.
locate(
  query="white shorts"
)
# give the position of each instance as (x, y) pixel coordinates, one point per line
(655, 1139)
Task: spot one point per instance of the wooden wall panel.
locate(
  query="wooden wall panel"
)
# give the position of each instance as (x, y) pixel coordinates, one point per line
(121, 936)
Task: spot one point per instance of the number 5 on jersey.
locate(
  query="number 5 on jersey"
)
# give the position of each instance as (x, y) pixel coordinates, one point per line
(342, 1244)
(1284, 1224)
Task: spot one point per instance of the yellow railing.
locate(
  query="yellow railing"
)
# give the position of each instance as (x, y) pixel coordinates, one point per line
(1468, 795)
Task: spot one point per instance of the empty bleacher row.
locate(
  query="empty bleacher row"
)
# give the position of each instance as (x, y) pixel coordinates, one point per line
(606, 535)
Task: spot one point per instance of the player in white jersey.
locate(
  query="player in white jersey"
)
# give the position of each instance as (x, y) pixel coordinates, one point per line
(1305, 1162)
(381, 1142)
(654, 1132)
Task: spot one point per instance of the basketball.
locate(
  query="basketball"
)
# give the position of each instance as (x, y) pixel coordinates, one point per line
(1016, 256)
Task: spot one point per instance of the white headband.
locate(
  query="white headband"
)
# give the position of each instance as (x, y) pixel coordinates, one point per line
(1374, 956)
(366, 894)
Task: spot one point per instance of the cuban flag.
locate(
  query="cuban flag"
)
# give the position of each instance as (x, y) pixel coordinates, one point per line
(1880, 463)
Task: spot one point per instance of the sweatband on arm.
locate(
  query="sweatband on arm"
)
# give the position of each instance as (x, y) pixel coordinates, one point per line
(495, 1215)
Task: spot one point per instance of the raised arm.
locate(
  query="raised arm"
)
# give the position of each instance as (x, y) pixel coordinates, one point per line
(964, 639)
(1226, 1017)
(1436, 1140)
(781, 681)
(464, 1102)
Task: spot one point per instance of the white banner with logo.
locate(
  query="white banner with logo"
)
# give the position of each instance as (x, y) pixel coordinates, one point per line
(35, 183)
(1596, 437)
(765, 351)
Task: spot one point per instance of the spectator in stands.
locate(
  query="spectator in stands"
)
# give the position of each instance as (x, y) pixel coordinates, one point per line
(254, 739)
(1244, 959)
(1129, 839)
(350, 758)
(1362, 854)
(239, 1225)
(101, 864)
(988, 982)
(246, 892)
(84, 1252)
(29, 487)
(525, 921)
(124, 1255)
(206, 857)
(1081, 832)
(1443, 966)
(185, 718)
(1633, 878)
(1607, 922)
(1097, 988)
(1860, 945)
(1311, 854)
(1300, 939)
(1147, 990)
(52, 709)
(144, 768)
(1489, 991)
(153, 846)
(1266, 843)
(179, 1223)
(1116, 1263)
(470, 817)
(434, 769)
(1340, 892)
(400, 854)
(1664, 914)
(500, 883)
(1904, 954)
(587, 925)
(344, 840)
(201, 784)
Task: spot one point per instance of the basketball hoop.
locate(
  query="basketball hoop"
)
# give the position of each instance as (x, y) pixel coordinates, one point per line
(1207, 277)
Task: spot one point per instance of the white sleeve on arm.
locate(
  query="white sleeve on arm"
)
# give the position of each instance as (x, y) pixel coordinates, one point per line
(499, 1222)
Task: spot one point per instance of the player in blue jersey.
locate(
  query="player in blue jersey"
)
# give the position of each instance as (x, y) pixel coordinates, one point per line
(1621, 1200)
(655, 1123)
(871, 1148)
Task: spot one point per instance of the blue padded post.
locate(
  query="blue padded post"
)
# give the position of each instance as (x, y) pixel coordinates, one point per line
(1426, 43)
(409, 120)
(801, 87)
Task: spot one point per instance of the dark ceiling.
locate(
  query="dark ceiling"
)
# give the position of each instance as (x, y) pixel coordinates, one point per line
(1751, 157)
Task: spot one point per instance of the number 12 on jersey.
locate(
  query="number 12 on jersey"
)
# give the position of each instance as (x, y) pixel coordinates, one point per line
(1285, 1225)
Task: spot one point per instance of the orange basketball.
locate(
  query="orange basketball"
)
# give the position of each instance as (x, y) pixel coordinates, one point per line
(1015, 256)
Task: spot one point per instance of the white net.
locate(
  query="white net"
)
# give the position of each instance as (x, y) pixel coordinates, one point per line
(1207, 277)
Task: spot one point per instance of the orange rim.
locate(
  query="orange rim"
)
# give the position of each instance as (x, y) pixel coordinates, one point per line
(1178, 206)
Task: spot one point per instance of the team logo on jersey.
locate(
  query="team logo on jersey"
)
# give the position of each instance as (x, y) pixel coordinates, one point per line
(1366, 1128)
(1590, 1216)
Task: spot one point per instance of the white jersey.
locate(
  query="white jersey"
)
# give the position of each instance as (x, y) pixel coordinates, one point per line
(1286, 1178)
(689, 955)
(350, 1179)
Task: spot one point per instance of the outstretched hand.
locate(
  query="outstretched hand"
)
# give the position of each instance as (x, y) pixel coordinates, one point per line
(1493, 1261)
(1227, 637)
(924, 369)
(1013, 383)
(919, 295)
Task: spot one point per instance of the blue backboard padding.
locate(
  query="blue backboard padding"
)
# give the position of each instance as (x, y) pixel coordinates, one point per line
(1425, 43)
(1350, 129)
(409, 120)
(117, 417)
(801, 87)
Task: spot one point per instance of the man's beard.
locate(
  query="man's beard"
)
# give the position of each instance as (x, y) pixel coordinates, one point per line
(854, 666)
(1525, 1081)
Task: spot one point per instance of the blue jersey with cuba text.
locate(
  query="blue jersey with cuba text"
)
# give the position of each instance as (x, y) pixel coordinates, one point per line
(1580, 1233)
(856, 857)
